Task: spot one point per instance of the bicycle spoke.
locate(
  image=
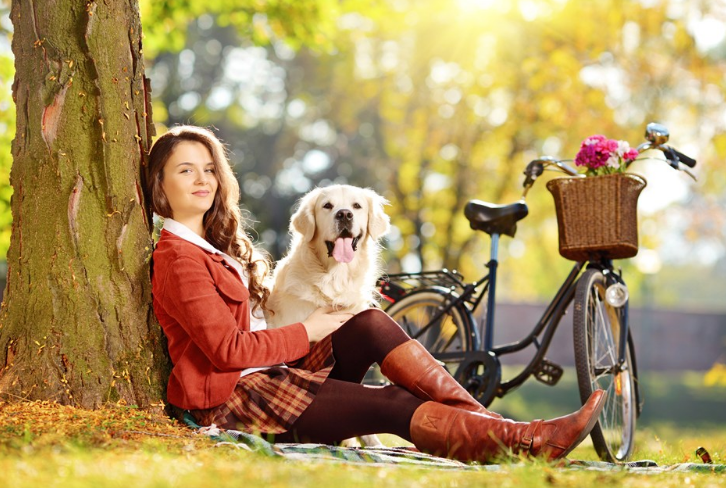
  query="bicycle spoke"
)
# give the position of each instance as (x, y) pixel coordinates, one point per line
(406, 326)
(602, 351)
(430, 323)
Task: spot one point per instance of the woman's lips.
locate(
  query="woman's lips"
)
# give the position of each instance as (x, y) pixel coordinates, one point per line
(201, 193)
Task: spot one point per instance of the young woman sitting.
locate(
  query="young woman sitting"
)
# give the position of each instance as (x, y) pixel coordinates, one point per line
(300, 382)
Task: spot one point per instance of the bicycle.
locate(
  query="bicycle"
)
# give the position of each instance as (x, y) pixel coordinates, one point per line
(436, 308)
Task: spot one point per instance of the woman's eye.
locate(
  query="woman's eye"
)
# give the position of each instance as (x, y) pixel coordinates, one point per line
(356, 205)
(328, 206)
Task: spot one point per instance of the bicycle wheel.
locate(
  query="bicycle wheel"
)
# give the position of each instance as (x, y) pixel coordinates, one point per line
(451, 338)
(414, 313)
(597, 329)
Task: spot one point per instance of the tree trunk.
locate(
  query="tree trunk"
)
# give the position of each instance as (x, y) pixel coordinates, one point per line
(76, 324)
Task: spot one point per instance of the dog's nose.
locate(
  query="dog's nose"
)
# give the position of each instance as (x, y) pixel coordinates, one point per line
(344, 214)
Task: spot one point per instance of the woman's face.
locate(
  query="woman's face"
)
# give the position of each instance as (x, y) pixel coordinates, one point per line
(189, 183)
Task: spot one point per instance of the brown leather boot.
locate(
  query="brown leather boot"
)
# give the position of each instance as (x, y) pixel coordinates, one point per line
(445, 431)
(411, 366)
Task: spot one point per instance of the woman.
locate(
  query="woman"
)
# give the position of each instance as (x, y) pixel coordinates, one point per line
(302, 381)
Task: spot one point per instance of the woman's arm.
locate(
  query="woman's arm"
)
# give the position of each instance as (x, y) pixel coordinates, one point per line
(190, 296)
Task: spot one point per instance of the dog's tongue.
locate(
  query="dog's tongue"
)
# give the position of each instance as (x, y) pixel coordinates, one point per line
(343, 250)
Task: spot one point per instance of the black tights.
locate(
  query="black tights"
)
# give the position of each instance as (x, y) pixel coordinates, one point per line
(344, 408)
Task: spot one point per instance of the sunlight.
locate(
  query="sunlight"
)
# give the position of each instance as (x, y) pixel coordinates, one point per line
(474, 5)
(530, 10)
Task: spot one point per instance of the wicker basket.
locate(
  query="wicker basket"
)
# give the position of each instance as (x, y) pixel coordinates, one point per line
(597, 216)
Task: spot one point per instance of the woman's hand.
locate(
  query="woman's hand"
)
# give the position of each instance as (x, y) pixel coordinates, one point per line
(324, 321)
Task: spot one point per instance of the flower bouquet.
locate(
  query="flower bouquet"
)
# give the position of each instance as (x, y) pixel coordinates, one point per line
(603, 156)
(597, 215)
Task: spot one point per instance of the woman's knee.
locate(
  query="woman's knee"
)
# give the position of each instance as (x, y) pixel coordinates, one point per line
(375, 326)
(373, 315)
(375, 321)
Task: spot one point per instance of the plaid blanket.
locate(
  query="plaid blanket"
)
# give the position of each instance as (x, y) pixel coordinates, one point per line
(406, 457)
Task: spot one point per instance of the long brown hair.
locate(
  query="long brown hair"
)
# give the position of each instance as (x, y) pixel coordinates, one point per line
(223, 224)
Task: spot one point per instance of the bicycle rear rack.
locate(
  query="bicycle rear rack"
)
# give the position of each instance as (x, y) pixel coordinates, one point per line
(395, 286)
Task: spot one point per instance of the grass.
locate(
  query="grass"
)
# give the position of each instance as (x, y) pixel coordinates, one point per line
(48, 445)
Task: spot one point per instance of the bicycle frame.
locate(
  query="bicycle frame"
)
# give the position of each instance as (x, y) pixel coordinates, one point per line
(546, 326)
(548, 322)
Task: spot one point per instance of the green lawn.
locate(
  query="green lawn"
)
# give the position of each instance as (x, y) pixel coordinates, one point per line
(53, 446)
(679, 414)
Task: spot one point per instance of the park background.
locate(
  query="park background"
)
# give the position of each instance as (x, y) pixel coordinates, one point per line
(434, 103)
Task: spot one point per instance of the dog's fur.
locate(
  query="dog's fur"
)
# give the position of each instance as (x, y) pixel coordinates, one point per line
(314, 273)
(332, 261)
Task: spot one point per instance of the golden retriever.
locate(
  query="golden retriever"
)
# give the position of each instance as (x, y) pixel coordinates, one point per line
(334, 255)
(333, 259)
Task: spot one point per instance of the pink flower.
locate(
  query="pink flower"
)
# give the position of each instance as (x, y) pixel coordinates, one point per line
(601, 155)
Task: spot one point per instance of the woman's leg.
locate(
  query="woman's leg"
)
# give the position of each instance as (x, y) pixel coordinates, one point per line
(365, 339)
(374, 337)
(342, 410)
(455, 433)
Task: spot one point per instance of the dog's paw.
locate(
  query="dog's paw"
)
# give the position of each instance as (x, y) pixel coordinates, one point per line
(352, 442)
(371, 441)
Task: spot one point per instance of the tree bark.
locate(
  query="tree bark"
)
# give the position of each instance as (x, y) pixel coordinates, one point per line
(76, 324)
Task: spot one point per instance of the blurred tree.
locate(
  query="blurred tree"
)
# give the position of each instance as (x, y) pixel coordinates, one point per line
(432, 103)
(464, 110)
(7, 130)
(76, 324)
(7, 124)
(438, 102)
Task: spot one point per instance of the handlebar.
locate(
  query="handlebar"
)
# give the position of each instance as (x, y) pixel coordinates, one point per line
(656, 137)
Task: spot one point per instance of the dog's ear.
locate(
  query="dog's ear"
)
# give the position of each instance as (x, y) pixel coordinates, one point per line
(378, 222)
(303, 220)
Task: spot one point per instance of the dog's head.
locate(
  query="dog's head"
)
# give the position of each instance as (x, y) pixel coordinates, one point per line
(342, 217)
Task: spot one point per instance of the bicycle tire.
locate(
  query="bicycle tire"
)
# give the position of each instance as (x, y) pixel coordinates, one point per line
(596, 331)
(452, 339)
(453, 333)
(414, 310)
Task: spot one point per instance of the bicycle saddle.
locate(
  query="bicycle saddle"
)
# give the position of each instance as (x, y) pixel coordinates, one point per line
(495, 219)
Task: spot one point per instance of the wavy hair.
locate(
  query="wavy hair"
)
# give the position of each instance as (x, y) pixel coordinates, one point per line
(223, 223)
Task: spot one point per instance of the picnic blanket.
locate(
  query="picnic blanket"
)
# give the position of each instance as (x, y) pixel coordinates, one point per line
(403, 456)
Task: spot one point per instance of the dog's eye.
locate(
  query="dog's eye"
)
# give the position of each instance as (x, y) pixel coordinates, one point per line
(356, 205)
(328, 206)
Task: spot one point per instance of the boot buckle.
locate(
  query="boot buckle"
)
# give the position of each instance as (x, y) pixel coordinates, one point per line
(525, 443)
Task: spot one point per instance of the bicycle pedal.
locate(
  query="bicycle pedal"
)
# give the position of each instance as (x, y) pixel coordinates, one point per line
(548, 372)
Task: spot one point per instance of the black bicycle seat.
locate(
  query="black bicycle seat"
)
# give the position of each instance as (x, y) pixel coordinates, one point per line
(495, 219)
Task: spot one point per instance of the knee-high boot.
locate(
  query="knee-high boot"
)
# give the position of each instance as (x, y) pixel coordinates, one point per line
(411, 366)
(454, 433)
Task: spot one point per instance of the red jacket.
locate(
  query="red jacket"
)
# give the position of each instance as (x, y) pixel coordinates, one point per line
(203, 307)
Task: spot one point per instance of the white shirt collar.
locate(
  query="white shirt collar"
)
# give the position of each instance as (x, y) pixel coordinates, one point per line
(181, 230)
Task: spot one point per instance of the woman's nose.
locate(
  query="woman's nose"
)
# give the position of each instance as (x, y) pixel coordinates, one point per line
(201, 178)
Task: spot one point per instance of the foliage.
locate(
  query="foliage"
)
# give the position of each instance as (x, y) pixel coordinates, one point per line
(716, 376)
(47, 425)
(7, 131)
(7, 126)
(298, 22)
(434, 103)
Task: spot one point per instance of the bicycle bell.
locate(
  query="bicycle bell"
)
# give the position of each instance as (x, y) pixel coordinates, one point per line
(657, 134)
(617, 295)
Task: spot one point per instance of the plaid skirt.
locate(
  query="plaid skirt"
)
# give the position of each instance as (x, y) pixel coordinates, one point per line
(270, 401)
